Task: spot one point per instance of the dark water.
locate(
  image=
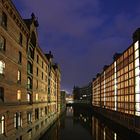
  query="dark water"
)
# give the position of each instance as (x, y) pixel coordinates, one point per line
(81, 124)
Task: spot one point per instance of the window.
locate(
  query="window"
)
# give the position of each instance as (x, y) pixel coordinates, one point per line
(29, 117)
(42, 64)
(19, 95)
(28, 97)
(20, 39)
(36, 97)
(2, 66)
(42, 112)
(36, 71)
(30, 68)
(20, 58)
(36, 84)
(17, 120)
(36, 113)
(4, 20)
(46, 110)
(29, 83)
(37, 59)
(2, 43)
(19, 76)
(31, 53)
(42, 75)
(1, 93)
(2, 125)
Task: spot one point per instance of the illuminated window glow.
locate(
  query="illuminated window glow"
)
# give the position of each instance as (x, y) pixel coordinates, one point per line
(115, 84)
(2, 66)
(2, 125)
(137, 79)
(104, 89)
(36, 97)
(136, 45)
(18, 95)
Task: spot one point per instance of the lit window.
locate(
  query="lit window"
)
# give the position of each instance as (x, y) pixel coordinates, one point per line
(2, 125)
(28, 97)
(136, 54)
(29, 82)
(29, 117)
(2, 93)
(17, 120)
(2, 43)
(19, 75)
(4, 20)
(136, 45)
(2, 66)
(19, 95)
(36, 96)
(137, 62)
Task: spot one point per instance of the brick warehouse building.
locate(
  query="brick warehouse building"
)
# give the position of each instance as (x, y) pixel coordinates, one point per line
(116, 90)
(29, 79)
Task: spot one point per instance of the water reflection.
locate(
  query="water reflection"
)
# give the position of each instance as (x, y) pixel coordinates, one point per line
(79, 123)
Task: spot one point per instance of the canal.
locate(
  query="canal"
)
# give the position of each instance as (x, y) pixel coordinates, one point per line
(82, 124)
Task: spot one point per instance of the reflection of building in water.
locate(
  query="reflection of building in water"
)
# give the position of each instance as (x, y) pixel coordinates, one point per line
(83, 117)
(101, 132)
(69, 111)
(62, 101)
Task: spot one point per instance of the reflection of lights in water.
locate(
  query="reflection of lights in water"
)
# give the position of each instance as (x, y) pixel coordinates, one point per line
(69, 111)
(104, 134)
(115, 136)
(85, 120)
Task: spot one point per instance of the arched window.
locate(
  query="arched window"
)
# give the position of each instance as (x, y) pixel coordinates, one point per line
(2, 66)
(28, 97)
(2, 125)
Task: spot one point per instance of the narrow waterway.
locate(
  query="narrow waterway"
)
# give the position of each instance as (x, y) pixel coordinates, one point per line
(81, 124)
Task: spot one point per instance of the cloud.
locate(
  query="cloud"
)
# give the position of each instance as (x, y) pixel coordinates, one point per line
(82, 34)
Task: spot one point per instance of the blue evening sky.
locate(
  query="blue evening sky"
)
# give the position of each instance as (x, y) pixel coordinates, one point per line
(83, 35)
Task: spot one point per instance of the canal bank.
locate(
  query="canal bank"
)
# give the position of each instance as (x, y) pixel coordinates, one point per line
(126, 121)
(81, 123)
